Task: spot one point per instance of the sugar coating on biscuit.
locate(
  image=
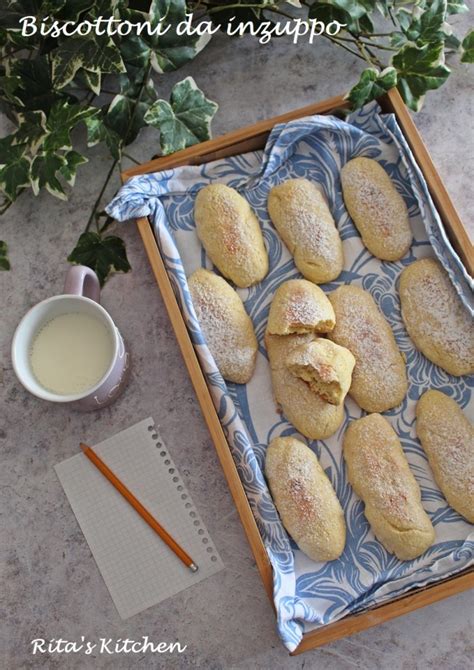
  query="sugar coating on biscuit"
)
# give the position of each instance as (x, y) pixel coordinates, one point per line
(392, 487)
(304, 213)
(305, 499)
(231, 234)
(447, 437)
(302, 217)
(225, 324)
(379, 473)
(379, 378)
(299, 306)
(437, 321)
(377, 209)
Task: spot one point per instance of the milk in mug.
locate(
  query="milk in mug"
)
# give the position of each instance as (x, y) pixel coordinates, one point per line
(71, 353)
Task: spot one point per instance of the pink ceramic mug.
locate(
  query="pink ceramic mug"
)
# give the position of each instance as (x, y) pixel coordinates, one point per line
(81, 294)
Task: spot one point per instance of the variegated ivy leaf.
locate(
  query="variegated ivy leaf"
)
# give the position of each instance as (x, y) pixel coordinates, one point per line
(174, 51)
(4, 262)
(29, 80)
(8, 88)
(468, 48)
(45, 170)
(14, 167)
(110, 7)
(420, 69)
(11, 38)
(91, 52)
(48, 6)
(371, 85)
(397, 39)
(185, 120)
(457, 7)
(132, 88)
(351, 13)
(425, 22)
(13, 10)
(98, 131)
(383, 7)
(356, 8)
(126, 117)
(48, 136)
(404, 18)
(71, 9)
(134, 49)
(69, 169)
(62, 118)
(159, 9)
(171, 51)
(327, 12)
(121, 122)
(92, 79)
(135, 54)
(104, 255)
(31, 129)
(452, 43)
(432, 21)
(250, 17)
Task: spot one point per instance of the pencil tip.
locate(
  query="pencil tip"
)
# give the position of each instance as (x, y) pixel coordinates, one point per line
(193, 567)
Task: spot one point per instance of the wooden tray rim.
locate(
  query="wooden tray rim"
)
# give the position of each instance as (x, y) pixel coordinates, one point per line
(247, 139)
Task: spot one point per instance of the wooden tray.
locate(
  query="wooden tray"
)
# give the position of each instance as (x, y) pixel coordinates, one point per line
(250, 139)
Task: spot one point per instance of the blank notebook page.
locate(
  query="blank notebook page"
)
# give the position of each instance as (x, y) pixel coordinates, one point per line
(137, 566)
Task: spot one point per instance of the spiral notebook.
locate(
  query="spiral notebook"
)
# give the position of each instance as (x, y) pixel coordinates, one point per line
(137, 566)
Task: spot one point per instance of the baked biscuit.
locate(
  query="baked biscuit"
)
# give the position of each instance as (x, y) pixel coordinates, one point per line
(447, 437)
(225, 324)
(231, 235)
(435, 318)
(299, 306)
(310, 414)
(377, 209)
(379, 474)
(379, 380)
(325, 366)
(305, 499)
(302, 218)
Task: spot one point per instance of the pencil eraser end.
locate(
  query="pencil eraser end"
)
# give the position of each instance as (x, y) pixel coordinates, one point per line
(193, 567)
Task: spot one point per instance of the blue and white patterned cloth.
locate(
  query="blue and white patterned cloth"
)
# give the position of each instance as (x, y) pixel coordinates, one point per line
(309, 594)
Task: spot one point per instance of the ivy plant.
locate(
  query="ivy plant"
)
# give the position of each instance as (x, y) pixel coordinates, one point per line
(50, 86)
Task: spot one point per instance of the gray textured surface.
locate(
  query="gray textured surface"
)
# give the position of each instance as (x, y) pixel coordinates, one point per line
(50, 584)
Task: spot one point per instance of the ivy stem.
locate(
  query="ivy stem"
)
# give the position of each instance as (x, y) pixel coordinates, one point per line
(15, 51)
(108, 222)
(358, 40)
(99, 197)
(131, 158)
(236, 5)
(369, 35)
(390, 13)
(6, 206)
(380, 46)
(114, 164)
(364, 50)
(337, 41)
(343, 46)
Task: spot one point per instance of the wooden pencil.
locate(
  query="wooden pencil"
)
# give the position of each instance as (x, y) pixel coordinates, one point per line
(138, 507)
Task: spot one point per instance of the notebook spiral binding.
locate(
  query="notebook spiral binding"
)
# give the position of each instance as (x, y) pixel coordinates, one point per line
(176, 478)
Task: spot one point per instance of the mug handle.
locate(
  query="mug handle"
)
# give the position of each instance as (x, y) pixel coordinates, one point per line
(81, 280)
